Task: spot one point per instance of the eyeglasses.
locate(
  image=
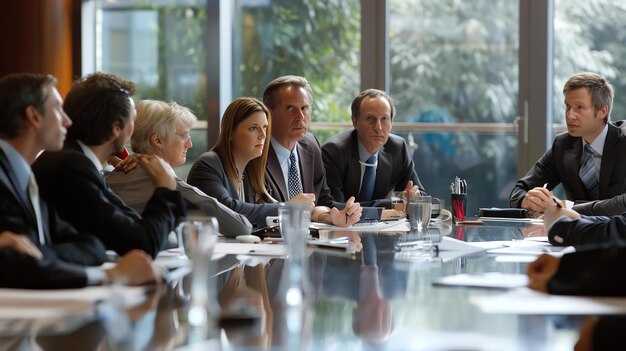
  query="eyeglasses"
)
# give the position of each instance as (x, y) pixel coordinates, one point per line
(184, 136)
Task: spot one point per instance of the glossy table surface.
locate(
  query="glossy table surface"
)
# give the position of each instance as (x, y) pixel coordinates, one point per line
(376, 298)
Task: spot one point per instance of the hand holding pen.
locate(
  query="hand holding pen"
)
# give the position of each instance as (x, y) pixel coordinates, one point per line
(538, 199)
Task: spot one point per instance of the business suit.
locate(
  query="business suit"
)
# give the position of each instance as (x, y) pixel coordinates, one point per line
(560, 164)
(592, 272)
(343, 170)
(64, 253)
(312, 173)
(208, 175)
(136, 187)
(70, 181)
(588, 230)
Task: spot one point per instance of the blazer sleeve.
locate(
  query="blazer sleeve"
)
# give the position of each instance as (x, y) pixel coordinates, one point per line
(335, 167)
(21, 271)
(231, 223)
(594, 272)
(607, 207)
(607, 334)
(544, 171)
(588, 230)
(207, 174)
(324, 196)
(93, 208)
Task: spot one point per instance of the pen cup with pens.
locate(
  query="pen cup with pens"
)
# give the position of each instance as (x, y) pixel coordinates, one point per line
(458, 191)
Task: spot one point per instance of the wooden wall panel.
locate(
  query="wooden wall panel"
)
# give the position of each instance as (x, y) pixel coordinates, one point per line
(36, 36)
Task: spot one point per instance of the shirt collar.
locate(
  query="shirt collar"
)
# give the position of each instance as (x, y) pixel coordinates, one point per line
(282, 153)
(598, 143)
(91, 156)
(364, 154)
(17, 163)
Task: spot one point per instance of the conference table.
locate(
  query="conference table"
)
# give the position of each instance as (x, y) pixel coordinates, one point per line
(379, 296)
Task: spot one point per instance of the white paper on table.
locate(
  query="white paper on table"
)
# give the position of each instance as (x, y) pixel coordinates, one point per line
(276, 250)
(451, 244)
(542, 239)
(504, 219)
(493, 280)
(35, 304)
(400, 225)
(527, 301)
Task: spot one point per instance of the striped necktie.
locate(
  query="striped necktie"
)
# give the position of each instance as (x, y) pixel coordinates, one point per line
(587, 173)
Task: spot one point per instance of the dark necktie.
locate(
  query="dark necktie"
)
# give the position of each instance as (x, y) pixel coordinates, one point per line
(369, 180)
(293, 178)
(587, 173)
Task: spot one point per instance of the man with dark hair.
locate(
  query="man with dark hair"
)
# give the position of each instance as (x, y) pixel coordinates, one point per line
(294, 163)
(103, 111)
(586, 159)
(37, 248)
(369, 148)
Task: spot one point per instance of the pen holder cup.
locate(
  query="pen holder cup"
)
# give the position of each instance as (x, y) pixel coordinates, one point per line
(459, 207)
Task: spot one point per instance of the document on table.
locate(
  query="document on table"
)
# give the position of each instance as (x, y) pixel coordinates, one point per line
(400, 225)
(492, 280)
(451, 244)
(36, 304)
(527, 301)
(261, 249)
(504, 219)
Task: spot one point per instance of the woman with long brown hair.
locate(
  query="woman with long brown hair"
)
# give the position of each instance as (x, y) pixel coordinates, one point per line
(234, 170)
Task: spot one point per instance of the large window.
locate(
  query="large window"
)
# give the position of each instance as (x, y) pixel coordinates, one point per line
(158, 45)
(590, 36)
(319, 40)
(454, 78)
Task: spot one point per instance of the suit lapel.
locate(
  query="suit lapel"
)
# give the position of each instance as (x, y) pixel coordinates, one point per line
(571, 163)
(305, 158)
(609, 159)
(8, 178)
(354, 169)
(383, 174)
(276, 175)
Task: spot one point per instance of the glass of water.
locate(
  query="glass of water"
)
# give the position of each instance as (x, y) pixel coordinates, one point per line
(419, 211)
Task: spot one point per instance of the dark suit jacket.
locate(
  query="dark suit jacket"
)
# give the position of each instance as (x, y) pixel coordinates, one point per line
(70, 182)
(208, 175)
(589, 230)
(560, 164)
(343, 171)
(312, 173)
(593, 272)
(65, 252)
(136, 187)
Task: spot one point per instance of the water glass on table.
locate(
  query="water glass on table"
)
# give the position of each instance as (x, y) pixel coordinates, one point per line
(419, 211)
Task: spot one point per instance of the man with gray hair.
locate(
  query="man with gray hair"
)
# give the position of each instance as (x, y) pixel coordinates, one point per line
(585, 159)
(368, 162)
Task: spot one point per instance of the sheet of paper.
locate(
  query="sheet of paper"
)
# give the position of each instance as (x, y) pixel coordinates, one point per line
(492, 280)
(276, 250)
(502, 219)
(400, 225)
(34, 304)
(451, 244)
(526, 301)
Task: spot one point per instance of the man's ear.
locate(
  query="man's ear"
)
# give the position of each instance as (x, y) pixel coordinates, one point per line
(33, 117)
(116, 130)
(156, 141)
(354, 120)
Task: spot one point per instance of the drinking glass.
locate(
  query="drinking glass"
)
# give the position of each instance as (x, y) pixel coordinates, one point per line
(420, 210)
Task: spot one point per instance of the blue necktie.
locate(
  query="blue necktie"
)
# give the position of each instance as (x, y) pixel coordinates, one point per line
(369, 181)
(293, 178)
(587, 173)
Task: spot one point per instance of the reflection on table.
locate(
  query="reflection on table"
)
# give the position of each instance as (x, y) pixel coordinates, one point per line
(374, 298)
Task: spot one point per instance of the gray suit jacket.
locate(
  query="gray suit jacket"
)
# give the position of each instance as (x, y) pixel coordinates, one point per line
(311, 171)
(560, 165)
(136, 187)
(343, 171)
(208, 174)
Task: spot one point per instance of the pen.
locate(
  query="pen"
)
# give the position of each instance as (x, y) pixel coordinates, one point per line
(557, 203)
(545, 186)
